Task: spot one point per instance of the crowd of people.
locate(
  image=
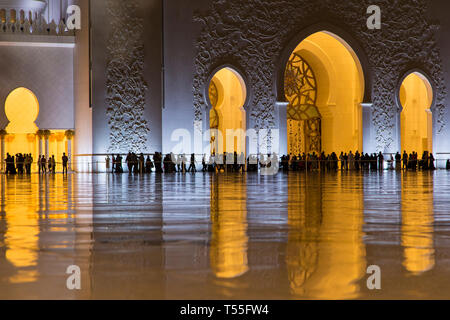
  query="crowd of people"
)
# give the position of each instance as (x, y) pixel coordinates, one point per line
(234, 162)
(171, 163)
(22, 164)
(358, 161)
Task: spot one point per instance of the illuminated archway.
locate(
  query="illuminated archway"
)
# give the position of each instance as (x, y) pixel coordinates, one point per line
(22, 110)
(416, 99)
(327, 80)
(227, 96)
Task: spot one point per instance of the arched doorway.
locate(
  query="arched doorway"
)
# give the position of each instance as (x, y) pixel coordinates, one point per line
(227, 95)
(22, 135)
(324, 85)
(416, 99)
(22, 110)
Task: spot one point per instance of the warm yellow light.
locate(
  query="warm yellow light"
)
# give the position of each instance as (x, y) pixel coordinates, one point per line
(229, 243)
(340, 92)
(22, 110)
(416, 97)
(228, 115)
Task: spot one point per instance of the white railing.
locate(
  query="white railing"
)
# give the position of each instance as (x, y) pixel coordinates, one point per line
(38, 27)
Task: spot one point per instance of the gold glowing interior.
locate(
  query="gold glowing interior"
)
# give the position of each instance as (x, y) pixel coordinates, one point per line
(416, 97)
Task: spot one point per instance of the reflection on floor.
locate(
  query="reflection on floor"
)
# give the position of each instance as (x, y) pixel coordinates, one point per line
(296, 236)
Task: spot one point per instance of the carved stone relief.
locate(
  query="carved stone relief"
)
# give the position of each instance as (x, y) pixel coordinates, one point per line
(253, 34)
(126, 86)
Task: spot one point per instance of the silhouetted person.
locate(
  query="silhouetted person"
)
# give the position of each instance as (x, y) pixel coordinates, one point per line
(157, 159)
(53, 164)
(44, 164)
(192, 167)
(204, 165)
(119, 167)
(141, 163)
(107, 164)
(398, 161)
(405, 160)
(65, 163)
(432, 165)
(129, 161)
(380, 161)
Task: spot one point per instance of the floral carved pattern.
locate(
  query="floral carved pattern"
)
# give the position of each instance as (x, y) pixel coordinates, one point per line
(125, 82)
(253, 34)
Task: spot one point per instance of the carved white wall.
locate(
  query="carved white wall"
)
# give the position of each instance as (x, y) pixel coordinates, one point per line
(125, 83)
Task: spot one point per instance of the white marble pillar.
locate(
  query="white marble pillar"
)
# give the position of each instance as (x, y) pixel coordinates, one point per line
(40, 146)
(69, 153)
(283, 129)
(47, 147)
(369, 144)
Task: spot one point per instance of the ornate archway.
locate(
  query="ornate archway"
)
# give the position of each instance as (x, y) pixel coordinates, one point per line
(303, 116)
(227, 93)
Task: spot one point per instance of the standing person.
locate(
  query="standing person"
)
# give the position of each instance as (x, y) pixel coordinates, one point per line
(30, 163)
(405, 160)
(129, 161)
(204, 165)
(192, 167)
(357, 161)
(44, 164)
(341, 158)
(108, 164)
(157, 159)
(381, 161)
(119, 165)
(65, 162)
(19, 163)
(351, 160)
(141, 163)
(113, 161)
(398, 162)
(432, 166)
(53, 164)
(8, 164)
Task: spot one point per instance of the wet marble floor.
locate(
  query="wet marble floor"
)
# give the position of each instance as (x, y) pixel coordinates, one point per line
(204, 236)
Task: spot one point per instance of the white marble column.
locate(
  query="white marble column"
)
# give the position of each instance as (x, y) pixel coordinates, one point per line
(369, 145)
(40, 146)
(69, 153)
(47, 148)
(282, 126)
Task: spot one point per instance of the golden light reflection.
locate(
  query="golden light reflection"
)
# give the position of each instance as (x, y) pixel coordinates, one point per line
(417, 223)
(22, 228)
(229, 241)
(26, 202)
(304, 219)
(328, 268)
